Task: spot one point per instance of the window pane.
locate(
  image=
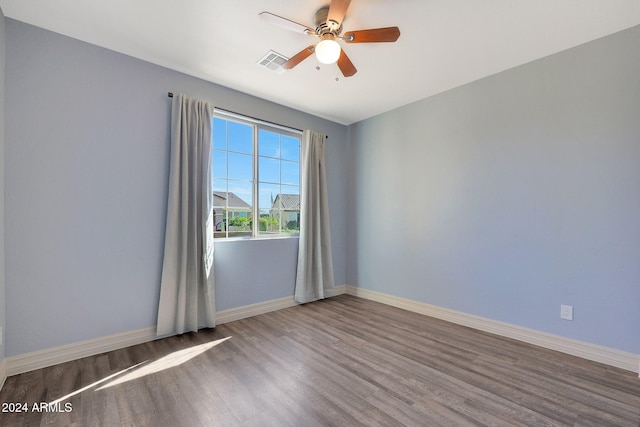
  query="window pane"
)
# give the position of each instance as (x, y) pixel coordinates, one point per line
(290, 148)
(290, 215)
(240, 137)
(292, 190)
(269, 170)
(219, 207)
(290, 221)
(219, 166)
(219, 188)
(239, 222)
(290, 172)
(240, 195)
(269, 217)
(219, 134)
(269, 143)
(267, 195)
(240, 166)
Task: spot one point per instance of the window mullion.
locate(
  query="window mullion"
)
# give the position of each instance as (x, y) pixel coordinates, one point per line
(255, 212)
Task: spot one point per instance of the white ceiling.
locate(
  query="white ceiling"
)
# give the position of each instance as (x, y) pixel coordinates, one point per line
(443, 43)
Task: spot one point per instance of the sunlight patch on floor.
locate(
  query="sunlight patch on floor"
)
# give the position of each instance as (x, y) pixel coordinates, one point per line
(63, 398)
(142, 369)
(169, 361)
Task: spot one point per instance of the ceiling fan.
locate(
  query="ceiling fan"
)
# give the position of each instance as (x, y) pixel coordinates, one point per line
(328, 22)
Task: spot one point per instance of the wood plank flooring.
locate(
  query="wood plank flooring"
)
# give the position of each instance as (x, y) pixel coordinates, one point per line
(345, 361)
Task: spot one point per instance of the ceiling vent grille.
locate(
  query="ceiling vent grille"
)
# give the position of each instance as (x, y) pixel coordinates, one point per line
(273, 61)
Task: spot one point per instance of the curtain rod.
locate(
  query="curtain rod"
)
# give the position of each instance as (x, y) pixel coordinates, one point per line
(170, 95)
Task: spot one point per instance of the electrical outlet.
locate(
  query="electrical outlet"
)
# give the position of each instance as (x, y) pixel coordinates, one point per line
(566, 312)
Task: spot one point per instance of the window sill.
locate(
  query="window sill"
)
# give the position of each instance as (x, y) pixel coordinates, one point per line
(251, 238)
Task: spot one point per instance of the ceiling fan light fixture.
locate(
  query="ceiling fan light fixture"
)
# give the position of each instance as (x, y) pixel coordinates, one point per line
(328, 51)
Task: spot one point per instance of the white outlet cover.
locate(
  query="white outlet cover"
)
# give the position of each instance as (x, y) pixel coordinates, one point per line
(566, 312)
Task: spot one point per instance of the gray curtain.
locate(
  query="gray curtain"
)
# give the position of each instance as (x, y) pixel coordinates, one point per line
(187, 297)
(314, 278)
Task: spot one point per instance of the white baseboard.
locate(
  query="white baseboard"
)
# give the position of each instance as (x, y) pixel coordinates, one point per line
(243, 312)
(41, 359)
(251, 310)
(3, 372)
(596, 353)
(65, 353)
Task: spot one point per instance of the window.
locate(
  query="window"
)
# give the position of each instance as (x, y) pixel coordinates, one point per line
(255, 177)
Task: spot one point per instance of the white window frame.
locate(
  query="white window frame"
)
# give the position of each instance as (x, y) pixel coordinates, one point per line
(258, 125)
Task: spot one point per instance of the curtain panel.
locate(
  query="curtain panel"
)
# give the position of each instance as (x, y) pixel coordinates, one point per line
(314, 278)
(187, 293)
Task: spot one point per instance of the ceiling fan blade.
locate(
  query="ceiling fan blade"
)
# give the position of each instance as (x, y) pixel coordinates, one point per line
(299, 57)
(376, 35)
(337, 12)
(345, 65)
(285, 23)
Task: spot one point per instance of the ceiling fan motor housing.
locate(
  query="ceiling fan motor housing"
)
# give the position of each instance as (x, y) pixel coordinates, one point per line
(323, 26)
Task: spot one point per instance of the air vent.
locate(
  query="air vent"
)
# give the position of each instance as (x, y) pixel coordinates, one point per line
(273, 61)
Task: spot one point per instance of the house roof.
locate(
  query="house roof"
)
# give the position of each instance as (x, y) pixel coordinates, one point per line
(288, 202)
(229, 199)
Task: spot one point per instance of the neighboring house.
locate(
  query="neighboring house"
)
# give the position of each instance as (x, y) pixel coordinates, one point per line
(228, 201)
(286, 207)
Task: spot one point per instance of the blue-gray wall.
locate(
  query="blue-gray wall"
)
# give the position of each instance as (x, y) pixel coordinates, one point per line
(503, 198)
(510, 196)
(2, 263)
(87, 141)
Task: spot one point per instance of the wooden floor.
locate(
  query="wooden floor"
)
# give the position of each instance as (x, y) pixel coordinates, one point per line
(342, 362)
